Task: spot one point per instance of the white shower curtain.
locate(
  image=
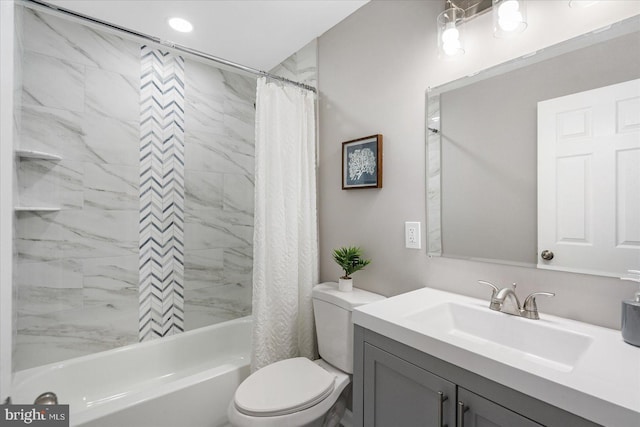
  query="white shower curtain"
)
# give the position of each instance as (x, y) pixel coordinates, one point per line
(285, 241)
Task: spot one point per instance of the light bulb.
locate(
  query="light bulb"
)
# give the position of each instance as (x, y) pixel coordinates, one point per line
(451, 33)
(509, 17)
(451, 40)
(508, 7)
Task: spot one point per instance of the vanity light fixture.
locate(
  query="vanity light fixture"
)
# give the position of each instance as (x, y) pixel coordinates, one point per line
(180, 24)
(509, 17)
(450, 32)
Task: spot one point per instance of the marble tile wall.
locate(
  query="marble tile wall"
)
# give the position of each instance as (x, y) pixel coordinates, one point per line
(302, 66)
(219, 169)
(77, 272)
(77, 268)
(17, 125)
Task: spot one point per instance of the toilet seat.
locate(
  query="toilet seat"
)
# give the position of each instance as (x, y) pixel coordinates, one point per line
(284, 387)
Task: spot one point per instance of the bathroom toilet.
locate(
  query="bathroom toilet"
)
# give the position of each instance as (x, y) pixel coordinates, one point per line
(299, 392)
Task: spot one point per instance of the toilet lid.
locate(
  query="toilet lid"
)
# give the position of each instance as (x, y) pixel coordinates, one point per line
(283, 388)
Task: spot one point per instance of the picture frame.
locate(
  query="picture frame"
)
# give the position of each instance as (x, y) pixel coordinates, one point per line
(362, 163)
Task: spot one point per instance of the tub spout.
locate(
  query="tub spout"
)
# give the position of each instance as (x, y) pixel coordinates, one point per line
(47, 398)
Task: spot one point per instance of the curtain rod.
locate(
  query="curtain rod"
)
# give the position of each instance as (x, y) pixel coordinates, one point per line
(169, 44)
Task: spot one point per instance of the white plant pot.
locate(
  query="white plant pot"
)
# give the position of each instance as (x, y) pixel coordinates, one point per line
(345, 285)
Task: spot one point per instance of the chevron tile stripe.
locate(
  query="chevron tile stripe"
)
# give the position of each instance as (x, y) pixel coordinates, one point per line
(161, 227)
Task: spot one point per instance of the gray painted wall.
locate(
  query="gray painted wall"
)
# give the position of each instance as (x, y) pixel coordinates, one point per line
(374, 69)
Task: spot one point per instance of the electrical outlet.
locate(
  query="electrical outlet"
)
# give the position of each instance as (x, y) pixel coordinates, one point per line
(412, 235)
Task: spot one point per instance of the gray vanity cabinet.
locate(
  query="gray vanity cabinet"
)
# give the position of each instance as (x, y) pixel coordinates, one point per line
(400, 394)
(395, 385)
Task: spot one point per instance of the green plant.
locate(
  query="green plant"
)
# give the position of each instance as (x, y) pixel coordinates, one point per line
(350, 260)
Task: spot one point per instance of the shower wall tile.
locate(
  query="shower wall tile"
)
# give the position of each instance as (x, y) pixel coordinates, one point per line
(239, 124)
(161, 239)
(91, 117)
(307, 64)
(52, 82)
(111, 273)
(238, 194)
(112, 94)
(61, 335)
(203, 190)
(211, 305)
(110, 282)
(55, 131)
(239, 87)
(110, 140)
(51, 183)
(302, 66)
(34, 300)
(76, 267)
(111, 186)
(204, 113)
(203, 268)
(201, 77)
(66, 273)
(219, 168)
(238, 266)
(76, 234)
(214, 228)
(209, 152)
(287, 68)
(57, 37)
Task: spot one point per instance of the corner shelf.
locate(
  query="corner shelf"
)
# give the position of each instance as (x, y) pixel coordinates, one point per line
(34, 154)
(36, 209)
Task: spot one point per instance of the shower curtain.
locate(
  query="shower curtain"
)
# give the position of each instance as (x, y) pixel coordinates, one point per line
(285, 242)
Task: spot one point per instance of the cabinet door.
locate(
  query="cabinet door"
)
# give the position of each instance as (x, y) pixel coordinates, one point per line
(476, 411)
(398, 393)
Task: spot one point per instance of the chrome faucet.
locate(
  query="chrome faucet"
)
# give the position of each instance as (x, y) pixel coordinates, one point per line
(506, 301)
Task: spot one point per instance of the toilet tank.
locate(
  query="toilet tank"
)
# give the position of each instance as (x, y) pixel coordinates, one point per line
(332, 310)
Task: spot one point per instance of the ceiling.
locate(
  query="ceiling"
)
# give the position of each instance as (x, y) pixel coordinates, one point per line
(255, 33)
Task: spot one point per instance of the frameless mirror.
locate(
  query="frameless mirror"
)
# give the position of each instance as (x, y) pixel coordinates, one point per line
(484, 179)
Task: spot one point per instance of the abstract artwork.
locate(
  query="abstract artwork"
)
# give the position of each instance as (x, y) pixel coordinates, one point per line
(362, 163)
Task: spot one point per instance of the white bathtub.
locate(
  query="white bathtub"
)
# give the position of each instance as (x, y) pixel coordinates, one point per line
(184, 380)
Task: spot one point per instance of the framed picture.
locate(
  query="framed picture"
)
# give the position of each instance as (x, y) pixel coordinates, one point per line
(362, 163)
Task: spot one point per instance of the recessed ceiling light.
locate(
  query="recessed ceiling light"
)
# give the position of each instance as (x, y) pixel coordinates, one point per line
(181, 25)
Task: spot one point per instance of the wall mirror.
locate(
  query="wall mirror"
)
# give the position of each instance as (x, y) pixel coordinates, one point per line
(483, 179)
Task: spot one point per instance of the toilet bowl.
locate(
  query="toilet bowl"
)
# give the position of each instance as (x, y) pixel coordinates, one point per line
(298, 392)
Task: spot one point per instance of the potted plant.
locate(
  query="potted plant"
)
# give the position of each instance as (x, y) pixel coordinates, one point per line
(350, 260)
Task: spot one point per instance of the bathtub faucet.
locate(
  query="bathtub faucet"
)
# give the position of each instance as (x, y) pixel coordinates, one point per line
(46, 398)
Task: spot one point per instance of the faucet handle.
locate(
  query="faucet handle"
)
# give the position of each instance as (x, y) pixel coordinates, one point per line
(530, 308)
(494, 287)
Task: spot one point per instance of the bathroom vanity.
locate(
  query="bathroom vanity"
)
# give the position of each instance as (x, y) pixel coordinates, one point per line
(434, 358)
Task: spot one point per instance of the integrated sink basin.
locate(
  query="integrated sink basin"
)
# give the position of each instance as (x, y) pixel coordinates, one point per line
(584, 369)
(490, 331)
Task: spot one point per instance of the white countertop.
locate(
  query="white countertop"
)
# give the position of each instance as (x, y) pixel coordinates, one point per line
(603, 385)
